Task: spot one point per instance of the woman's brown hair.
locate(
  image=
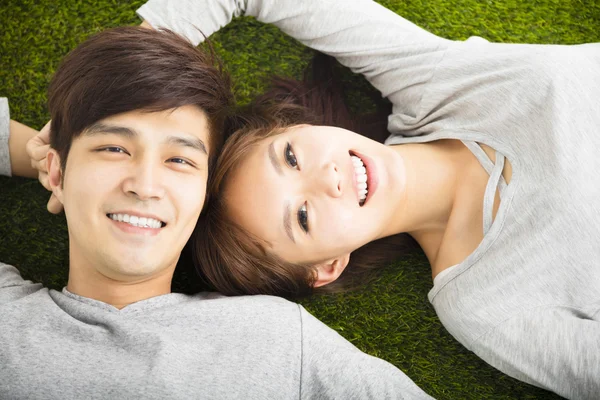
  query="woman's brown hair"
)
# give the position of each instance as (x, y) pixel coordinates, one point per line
(231, 259)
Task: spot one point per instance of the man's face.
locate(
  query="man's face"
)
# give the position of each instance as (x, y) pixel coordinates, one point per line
(133, 188)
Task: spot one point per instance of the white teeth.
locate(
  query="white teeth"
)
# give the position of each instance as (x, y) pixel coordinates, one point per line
(142, 222)
(361, 178)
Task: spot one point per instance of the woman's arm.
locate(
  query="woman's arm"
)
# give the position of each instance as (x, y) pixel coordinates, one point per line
(396, 56)
(20, 163)
(555, 348)
(13, 139)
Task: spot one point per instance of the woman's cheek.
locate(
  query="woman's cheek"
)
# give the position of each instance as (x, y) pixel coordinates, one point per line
(343, 224)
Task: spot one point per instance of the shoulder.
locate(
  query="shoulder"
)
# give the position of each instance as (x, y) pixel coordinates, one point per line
(252, 313)
(489, 63)
(250, 303)
(12, 286)
(9, 275)
(259, 308)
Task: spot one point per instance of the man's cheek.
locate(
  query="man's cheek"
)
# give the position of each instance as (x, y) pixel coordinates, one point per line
(191, 208)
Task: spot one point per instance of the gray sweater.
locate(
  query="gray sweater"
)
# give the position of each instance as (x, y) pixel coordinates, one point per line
(527, 300)
(57, 345)
(4, 128)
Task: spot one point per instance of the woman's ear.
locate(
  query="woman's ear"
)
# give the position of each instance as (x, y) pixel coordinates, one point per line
(329, 271)
(55, 174)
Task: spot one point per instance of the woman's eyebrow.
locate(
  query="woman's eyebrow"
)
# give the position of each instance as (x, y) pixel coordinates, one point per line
(273, 158)
(287, 223)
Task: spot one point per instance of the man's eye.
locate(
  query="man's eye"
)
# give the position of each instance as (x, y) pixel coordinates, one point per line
(181, 161)
(303, 218)
(114, 149)
(290, 157)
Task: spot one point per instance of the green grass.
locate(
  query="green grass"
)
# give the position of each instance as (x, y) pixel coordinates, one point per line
(389, 318)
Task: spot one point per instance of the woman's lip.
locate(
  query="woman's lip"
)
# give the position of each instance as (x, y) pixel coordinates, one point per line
(354, 182)
(372, 180)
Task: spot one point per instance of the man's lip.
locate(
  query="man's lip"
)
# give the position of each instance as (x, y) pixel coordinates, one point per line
(137, 230)
(139, 215)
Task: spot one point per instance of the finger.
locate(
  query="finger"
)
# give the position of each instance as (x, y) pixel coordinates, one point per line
(38, 152)
(41, 139)
(31, 145)
(43, 178)
(39, 165)
(54, 206)
(45, 133)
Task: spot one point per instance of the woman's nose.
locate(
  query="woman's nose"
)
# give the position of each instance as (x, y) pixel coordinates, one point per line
(329, 180)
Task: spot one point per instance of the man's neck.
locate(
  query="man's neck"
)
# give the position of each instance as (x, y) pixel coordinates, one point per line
(87, 281)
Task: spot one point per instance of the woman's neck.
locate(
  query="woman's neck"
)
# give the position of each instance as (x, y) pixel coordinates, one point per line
(432, 173)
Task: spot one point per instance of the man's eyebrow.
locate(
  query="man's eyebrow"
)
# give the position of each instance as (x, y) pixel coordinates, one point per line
(273, 158)
(287, 223)
(99, 128)
(195, 143)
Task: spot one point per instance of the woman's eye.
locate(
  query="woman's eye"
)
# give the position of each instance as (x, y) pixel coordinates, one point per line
(290, 157)
(303, 218)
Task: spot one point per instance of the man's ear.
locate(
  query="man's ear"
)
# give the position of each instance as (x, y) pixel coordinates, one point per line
(55, 174)
(329, 271)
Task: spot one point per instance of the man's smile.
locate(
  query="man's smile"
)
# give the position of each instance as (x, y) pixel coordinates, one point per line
(137, 223)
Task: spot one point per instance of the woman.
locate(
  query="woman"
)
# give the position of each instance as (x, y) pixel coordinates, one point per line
(490, 167)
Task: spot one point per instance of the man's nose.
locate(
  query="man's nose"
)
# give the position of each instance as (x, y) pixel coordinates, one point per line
(145, 180)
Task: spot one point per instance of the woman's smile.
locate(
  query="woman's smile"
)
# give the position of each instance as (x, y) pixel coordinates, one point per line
(365, 176)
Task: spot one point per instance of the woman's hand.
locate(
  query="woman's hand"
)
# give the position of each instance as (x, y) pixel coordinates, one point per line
(37, 148)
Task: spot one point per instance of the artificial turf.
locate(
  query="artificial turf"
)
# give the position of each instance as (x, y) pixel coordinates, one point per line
(390, 317)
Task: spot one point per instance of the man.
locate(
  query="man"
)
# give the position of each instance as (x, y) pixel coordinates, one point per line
(136, 118)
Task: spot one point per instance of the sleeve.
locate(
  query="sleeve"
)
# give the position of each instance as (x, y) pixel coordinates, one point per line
(396, 56)
(557, 349)
(4, 134)
(332, 368)
(12, 286)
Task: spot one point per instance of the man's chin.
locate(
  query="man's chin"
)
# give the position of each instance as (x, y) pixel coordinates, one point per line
(135, 269)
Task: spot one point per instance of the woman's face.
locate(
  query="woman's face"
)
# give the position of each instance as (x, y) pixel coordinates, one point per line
(315, 193)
